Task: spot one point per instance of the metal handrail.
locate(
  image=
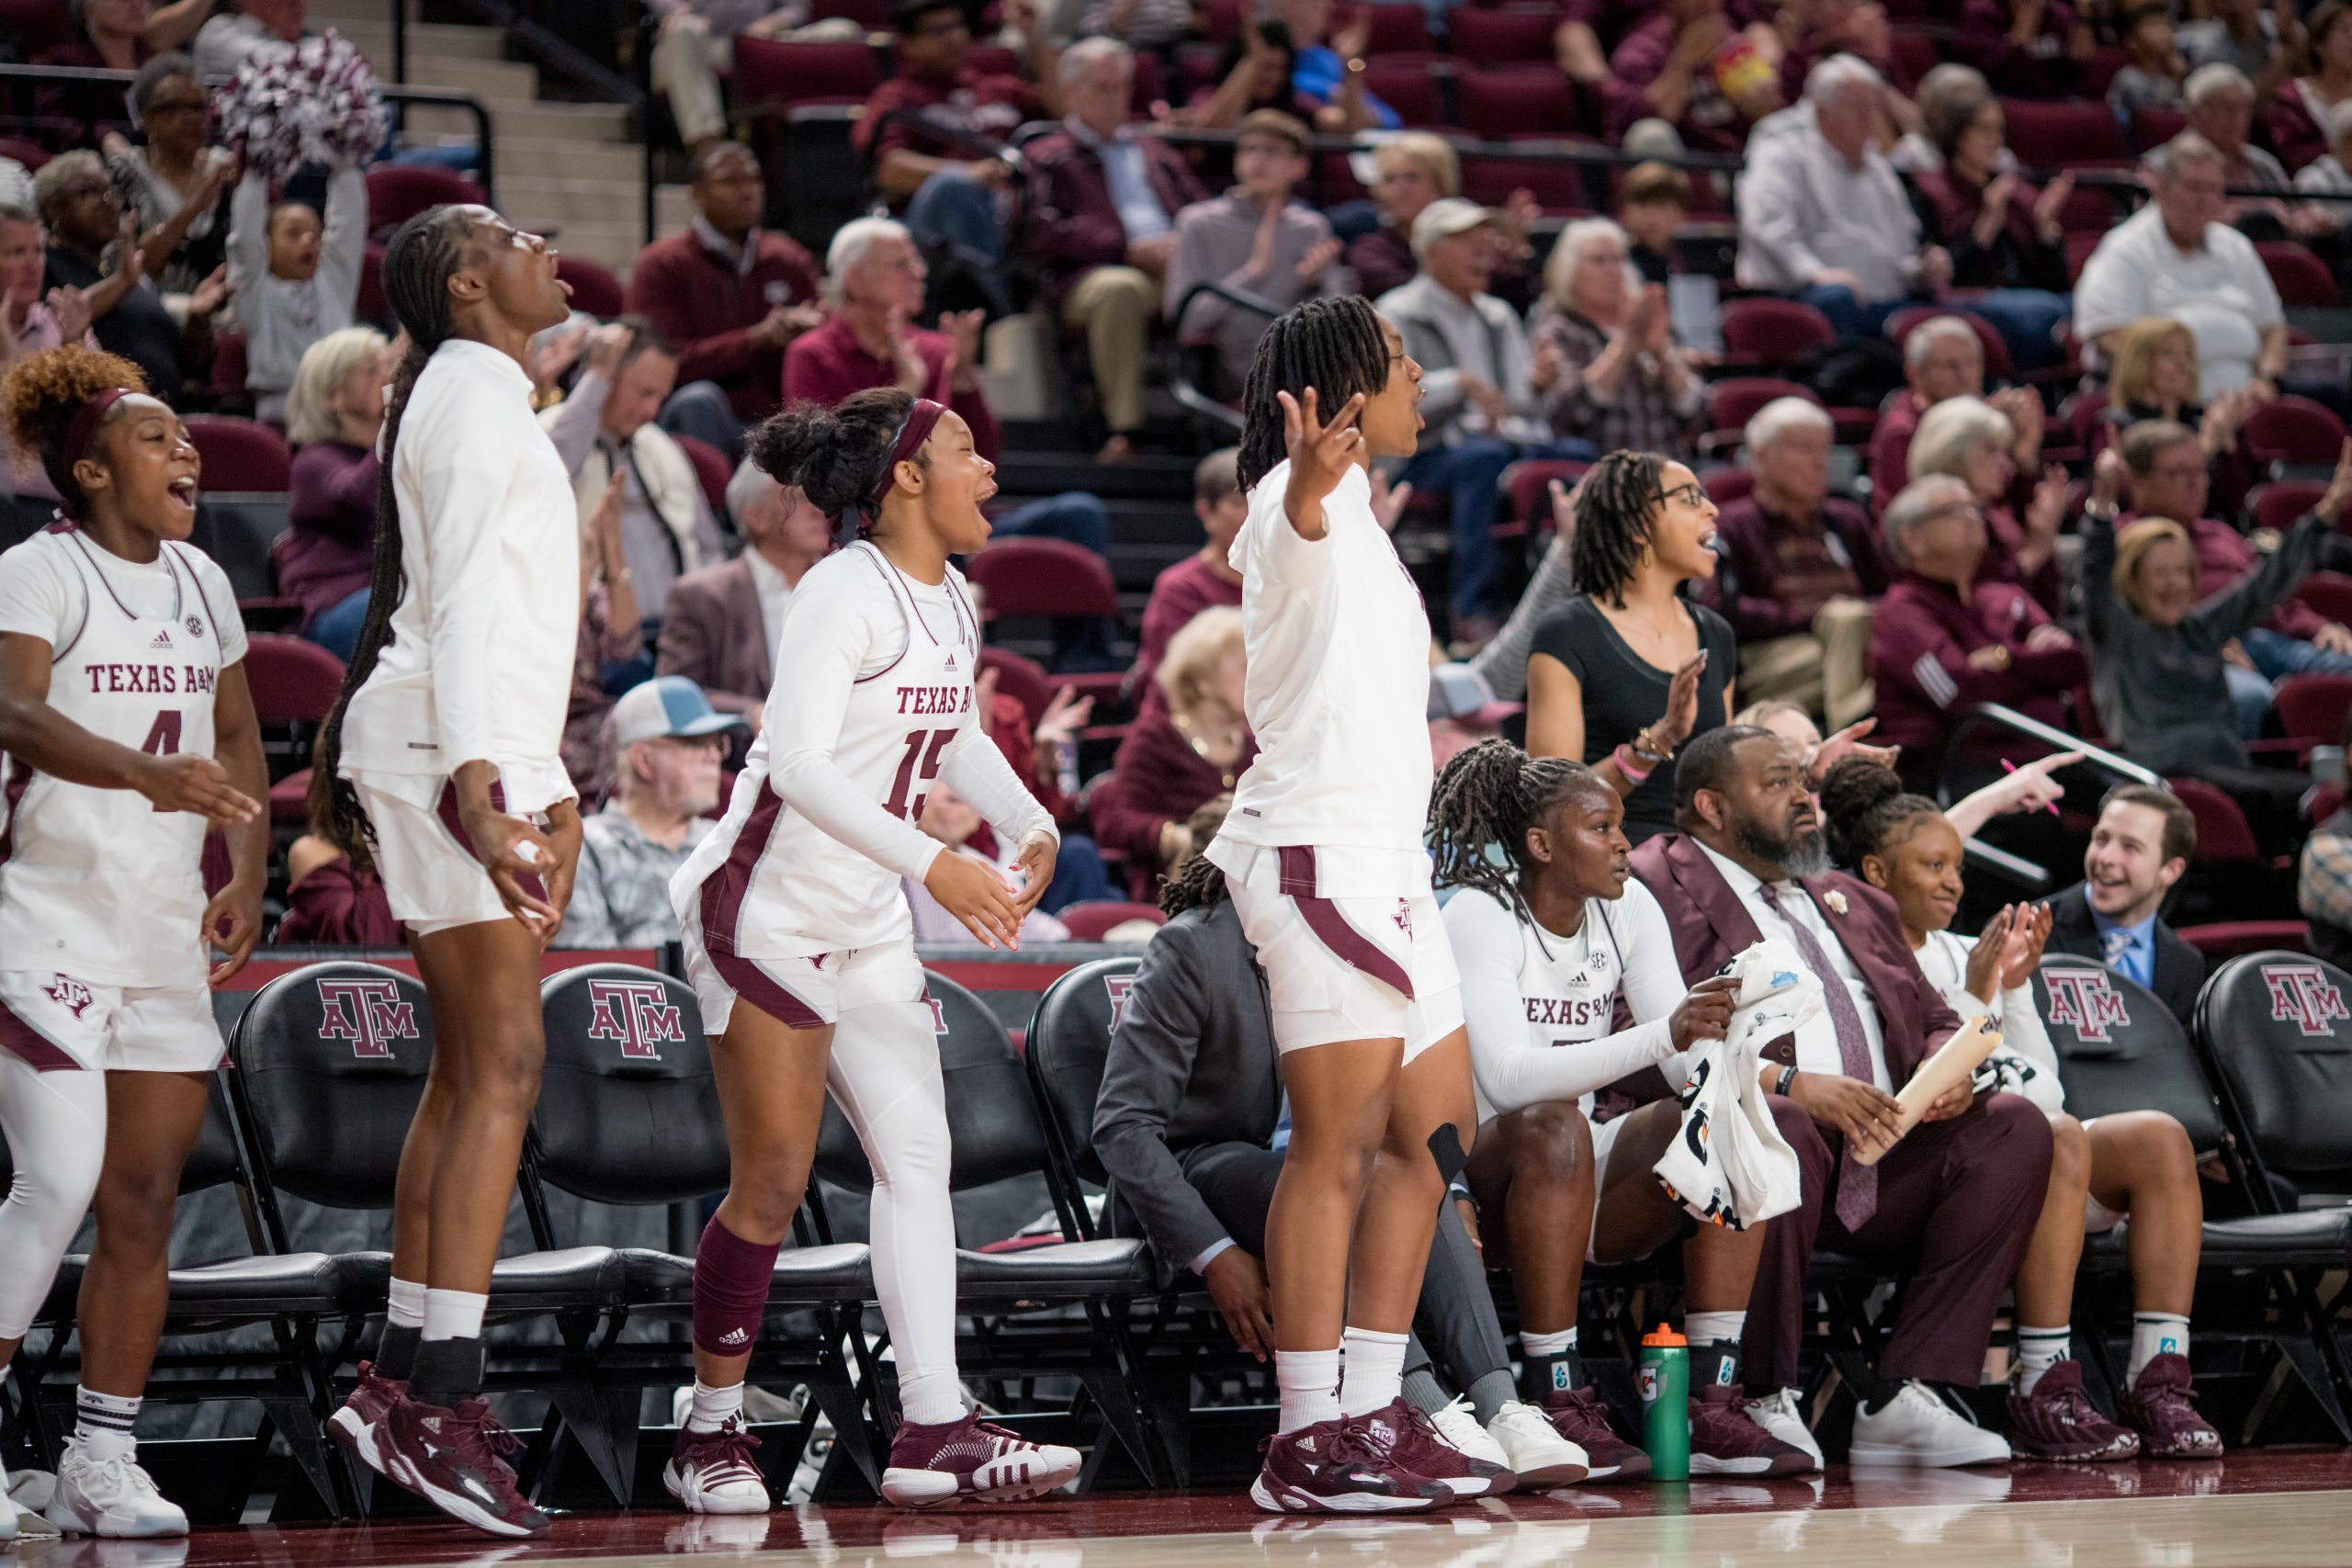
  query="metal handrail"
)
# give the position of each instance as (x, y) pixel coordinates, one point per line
(1180, 381)
(396, 93)
(1998, 715)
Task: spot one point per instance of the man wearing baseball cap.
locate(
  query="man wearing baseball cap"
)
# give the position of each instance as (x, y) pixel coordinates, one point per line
(667, 742)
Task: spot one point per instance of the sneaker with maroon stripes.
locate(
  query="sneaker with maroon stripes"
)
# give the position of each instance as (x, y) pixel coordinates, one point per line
(1415, 1442)
(969, 1458)
(454, 1458)
(359, 1425)
(1579, 1415)
(714, 1472)
(1339, 1467)
(1727, 1441)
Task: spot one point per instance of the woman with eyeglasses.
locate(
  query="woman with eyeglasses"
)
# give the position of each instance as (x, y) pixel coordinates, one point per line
(1627, 671)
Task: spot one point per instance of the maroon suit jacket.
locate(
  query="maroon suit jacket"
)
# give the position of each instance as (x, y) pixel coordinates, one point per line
(711, 632)
(1072, 225)
(1712, 926)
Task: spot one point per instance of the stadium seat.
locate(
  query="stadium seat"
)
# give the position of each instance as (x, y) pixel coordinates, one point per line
(1730, 404)
(629, 1114)
(369, 305)
(2278, 505)
(771, 75)
(294, 684)
(1509, 36)
(1398, 26)
(36, 27)
(1023, 679)
(594, 290)
(398, 192)
(1767, 333)
(2225, 940)
(1528, 485)
(2066, 134)
(2151, 127)
(2273, 1027)
(874, 15)
(2329, 592)
(2304, 280)
(240, 454)
(2292, 430)
(31, 154)
(1508, 105)
(2312, 707)
(1042, 577)
(1406, 85)
(1559, 188)
(1724, 486)
(712, 471)
(998, 1134)
(2079, 244)
(2222, 834)
(1092, 920)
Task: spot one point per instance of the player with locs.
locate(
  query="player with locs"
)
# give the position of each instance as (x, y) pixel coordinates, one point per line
(1323, 853)
(128, 732)
(440, 765)
(802, 948)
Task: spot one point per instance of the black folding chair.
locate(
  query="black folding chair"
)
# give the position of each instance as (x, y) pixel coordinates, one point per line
(330, 1065)
(629, 1114)
(1019, 1301)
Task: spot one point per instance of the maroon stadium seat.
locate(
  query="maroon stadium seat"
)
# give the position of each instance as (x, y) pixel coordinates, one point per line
(2293, 430)
(1407, 86)
(1398, 26)
(1501, 106)
(1042, 577)
(1762, 331)
(369, 304)
(2303, 279)
(2277, 505)
(1558, 188)
(2222, 833)
(2078, 131)
(1023, 680)
(31, 154)
(874, 15)
(771, 75)
(593, 287)
(35, 26)
(397, 192)
(1732, 403)
(240, 453)
(2312, 707)
(2152, 127)
(1504, 37)
(2329, 592)
(294, 681)
(1090, 920)
(1724, 486)
(711, 469)
(1530, 485)
(2226, 939)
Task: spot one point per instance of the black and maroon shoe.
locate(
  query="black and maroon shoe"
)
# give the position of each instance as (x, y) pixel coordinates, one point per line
(969, 1458)
(358, 1426)
(1339, 1467)
(1581, 1416)
(2162, 1408)
(2057, 1422)
(454, 1458)
(1727, 1441)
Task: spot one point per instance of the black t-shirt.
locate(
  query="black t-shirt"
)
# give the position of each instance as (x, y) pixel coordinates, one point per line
(1623, 692)
(139, 328)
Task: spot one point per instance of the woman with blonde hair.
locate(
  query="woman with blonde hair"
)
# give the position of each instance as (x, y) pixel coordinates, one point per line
(1969, 439)
(2155, 376)
(1410, 172)
(1180, 753)
(333, 411)
(1603, 352)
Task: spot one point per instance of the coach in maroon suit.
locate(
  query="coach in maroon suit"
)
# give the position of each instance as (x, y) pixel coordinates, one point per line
(1953, 1202)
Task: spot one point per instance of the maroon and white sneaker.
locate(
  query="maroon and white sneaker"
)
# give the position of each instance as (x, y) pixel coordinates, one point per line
(359, 1425)
(1417, 1444)
(969, 1458)
(1726, 1440)
(714, 1472)
(1581, 1416)
(1338, 1467)
(2162, 1408)
(452, 1459)
(2057, 1422)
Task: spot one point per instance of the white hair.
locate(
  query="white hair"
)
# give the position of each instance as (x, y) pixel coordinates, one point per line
(1928, 334)
(1920, 500)
(854, 240)
(1835, 74)
(1566, 260)
(1779, 417)
(1954, 431)
(1082, 56)
(748, 487)
(2208, 81)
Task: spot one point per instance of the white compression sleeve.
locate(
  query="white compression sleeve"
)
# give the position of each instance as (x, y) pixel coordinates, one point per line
(56, 1128)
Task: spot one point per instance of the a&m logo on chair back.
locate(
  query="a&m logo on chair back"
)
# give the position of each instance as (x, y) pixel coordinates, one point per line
(2086, 1001)
(368, 1013)
(1118, 986)
(638, 1014)
(2302, 995)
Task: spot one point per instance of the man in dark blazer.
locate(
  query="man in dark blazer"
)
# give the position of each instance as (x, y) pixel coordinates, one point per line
(2144, 842)
(1952, 1204)
(1189, 1125)
(715, 629)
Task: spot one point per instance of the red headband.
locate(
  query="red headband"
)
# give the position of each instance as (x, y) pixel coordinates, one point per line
(80, 432)
(913, 430)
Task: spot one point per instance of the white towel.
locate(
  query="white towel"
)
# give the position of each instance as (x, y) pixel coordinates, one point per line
(1728, 1163)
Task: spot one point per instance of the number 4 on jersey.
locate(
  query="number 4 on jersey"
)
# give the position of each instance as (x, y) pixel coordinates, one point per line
(164, 738)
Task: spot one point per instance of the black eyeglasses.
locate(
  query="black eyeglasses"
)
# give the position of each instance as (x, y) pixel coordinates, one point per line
(1691, 494)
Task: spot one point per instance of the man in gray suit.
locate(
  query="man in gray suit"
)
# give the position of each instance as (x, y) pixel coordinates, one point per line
(1190, 1123)
(719, 628)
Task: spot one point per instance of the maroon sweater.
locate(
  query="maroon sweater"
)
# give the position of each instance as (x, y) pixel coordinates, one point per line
(1178, 594)
(1920, 641)
(1776, 572)
(330, 550)
(338, 907)
(708, 307)
(1156, 779)
(829, 364)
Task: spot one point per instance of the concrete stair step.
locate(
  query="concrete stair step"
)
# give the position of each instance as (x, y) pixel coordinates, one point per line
(579, 123)
(497, 83)
(569, 200)
(532, 157)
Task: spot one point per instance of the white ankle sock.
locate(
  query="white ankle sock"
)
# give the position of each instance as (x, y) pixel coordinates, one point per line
(2156, 1333)
(406, 1307)
(713, 1406)
(1714, 1327)
(453, 1314)
(105, 1424)
(1310, 1381)
(2039, 1350)
(932, 1399)
(1371, 1369)
(1558, 1344)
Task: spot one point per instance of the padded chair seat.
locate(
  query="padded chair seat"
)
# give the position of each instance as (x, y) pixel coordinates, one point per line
(586, 1276)
(843, 1273)
(308, 1282)
(1115, 1266)
(2321, 1237)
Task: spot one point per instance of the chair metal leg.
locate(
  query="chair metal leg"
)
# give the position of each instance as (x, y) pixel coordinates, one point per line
(298, 1423)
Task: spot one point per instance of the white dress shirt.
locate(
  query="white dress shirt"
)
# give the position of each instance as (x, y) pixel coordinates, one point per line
(1817, 1039)
(1804, 211)
(774, 594)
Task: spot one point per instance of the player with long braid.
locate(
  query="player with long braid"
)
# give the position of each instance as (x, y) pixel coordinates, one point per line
(1323, 854)
(440, 765)
(127, 731)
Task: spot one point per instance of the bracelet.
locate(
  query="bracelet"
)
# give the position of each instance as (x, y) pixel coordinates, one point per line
(1788, 1077)
(1623, 757)
(1645, 745)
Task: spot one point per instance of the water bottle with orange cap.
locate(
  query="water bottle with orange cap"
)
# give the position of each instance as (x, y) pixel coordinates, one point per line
(1665, 1404)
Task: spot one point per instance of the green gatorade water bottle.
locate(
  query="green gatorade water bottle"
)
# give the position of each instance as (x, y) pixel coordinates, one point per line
(1665, 1404)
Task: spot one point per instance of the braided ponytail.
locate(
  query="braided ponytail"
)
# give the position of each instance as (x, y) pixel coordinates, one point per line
(1197, 884)
(423, 253)
(1491, 794)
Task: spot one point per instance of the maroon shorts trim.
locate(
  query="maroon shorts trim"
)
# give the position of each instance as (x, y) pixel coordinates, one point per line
(455, 822)
(763, 991)
(1349, 945)
(34, 1049)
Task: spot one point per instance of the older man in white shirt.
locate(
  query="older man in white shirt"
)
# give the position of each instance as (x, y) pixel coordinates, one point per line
(1822, 213)
(2176, 258)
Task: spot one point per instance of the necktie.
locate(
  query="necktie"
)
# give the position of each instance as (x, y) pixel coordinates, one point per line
(1856, 1184)
(2122, 947)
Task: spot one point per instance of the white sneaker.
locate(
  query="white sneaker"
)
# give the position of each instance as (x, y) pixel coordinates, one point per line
(1918, 1429)
(714, 1472)
(1779, 1416)
(1535, 1449)
(110, 1496)
(1463, 1435)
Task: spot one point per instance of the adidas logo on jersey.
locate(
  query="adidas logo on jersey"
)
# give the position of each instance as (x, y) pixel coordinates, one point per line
(163, 640)
(734, 1336)
(951, 664)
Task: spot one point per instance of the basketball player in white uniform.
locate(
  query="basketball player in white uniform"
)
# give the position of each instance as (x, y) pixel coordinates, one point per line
(1549, 945)
(1323, 853)
(799, 944)
(127, 731)
(440, 766)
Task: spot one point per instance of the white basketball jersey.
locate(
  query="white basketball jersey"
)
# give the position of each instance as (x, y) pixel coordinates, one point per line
(771, 883)
(1570, 985)
(102, 878)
